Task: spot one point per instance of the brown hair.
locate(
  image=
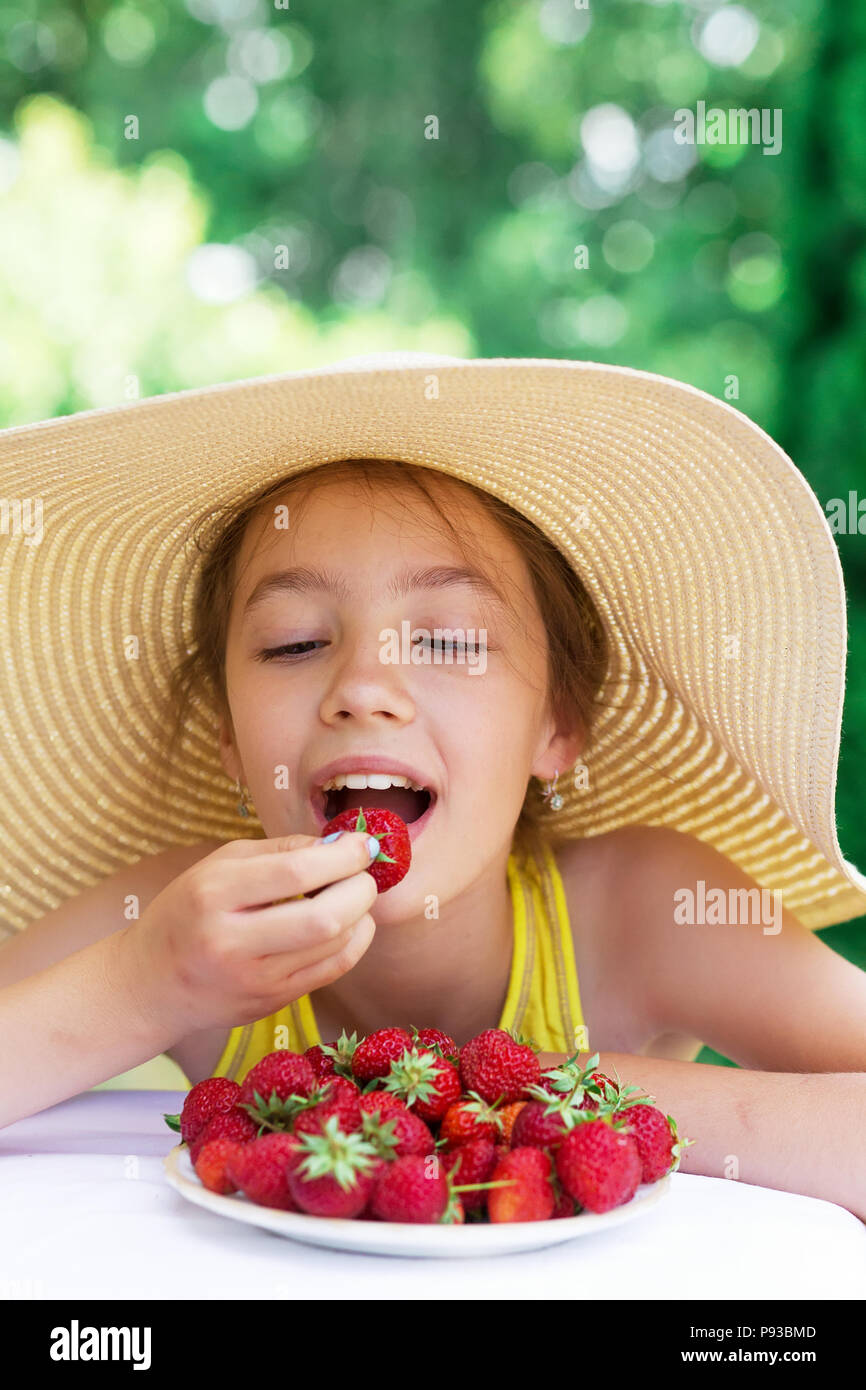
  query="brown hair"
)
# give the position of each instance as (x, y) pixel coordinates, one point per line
(577, 642)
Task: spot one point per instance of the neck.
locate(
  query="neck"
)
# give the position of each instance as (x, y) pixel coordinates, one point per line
(449, 972)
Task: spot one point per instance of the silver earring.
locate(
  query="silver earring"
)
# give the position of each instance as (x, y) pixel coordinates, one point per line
(551, 795)
(243, 809)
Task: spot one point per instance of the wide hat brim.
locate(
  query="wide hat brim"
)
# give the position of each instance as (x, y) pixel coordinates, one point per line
(703, 546)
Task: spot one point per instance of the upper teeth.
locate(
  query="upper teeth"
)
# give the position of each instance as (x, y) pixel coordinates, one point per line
(378, 781)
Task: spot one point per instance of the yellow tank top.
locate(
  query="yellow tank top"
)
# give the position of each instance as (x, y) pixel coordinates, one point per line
(543, 1001)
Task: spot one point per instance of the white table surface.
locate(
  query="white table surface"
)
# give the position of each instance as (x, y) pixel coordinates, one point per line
(86, 1212)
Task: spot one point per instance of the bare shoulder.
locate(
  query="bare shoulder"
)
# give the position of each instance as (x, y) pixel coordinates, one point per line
(602, 864)
(712, 955)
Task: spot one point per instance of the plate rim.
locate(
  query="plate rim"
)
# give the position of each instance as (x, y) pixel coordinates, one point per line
(294, 1225)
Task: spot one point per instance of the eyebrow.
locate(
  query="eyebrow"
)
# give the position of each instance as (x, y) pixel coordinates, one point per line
(303, 580)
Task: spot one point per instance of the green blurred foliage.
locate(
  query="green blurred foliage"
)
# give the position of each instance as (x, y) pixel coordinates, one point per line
(308, 128)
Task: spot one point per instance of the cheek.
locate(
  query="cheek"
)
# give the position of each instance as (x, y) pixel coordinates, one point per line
(489, 742)
(259, 713)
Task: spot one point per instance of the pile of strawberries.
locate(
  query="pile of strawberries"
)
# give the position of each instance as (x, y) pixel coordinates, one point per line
(406, 1126)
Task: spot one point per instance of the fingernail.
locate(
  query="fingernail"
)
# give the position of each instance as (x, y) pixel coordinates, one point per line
(334, 835)
(373, 847)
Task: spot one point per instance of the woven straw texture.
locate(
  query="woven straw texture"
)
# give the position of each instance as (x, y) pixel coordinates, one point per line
(704, 548)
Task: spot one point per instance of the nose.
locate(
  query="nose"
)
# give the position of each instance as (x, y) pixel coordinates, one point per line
(365, 688)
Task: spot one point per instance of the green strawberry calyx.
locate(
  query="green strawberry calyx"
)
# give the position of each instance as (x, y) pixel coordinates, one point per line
(382, 1134)
(342, 1052)
(361, 824)
(679, 1145)
(523, 1041)
(572, 1084)
(333, 1153)
(414, 1076)
(481, 1111)
(567, 1107)
(433, 1047)
(275, 1113)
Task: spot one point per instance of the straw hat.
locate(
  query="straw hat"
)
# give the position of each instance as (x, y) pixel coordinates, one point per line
(704, 548)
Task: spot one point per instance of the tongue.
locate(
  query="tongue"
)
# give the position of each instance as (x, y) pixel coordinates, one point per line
(408, 805)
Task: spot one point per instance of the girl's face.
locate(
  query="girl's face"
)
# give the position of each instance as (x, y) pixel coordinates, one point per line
(317, 684)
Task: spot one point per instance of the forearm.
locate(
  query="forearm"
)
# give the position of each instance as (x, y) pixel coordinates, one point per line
(74, 1024)
(803, 1133)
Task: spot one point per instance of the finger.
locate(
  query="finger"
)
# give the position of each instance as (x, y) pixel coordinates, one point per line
(336, 963)
(256, 882)
(307, 923)
(273, 844)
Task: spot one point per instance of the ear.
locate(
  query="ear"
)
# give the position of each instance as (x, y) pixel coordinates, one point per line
(558, 751)
(229, 756)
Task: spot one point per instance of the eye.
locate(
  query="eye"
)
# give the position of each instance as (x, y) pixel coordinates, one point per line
(289, 650)
(437, 644)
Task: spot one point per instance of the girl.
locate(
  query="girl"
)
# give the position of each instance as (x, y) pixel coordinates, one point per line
(541, 896)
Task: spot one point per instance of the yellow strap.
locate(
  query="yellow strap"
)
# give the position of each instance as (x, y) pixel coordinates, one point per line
(517, 983)
(562, 928)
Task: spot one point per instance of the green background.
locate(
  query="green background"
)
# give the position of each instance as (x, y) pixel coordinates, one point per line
(194, 194)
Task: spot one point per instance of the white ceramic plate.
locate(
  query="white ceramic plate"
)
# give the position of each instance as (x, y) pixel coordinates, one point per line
(403, 1238)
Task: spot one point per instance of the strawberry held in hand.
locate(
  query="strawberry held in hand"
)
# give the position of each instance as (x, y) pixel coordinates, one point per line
(395, 853)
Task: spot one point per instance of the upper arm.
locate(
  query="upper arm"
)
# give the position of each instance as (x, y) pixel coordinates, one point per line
(97, 912)
(770, 999)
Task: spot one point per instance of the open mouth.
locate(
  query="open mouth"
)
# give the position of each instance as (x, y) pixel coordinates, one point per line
(407, 800)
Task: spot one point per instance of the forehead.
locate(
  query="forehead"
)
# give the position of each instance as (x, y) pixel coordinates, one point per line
(356, 519)
(360, 543)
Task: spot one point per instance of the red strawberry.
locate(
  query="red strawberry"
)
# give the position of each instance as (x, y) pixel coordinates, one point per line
(277, 1077)
(226, 1124)
(397, 1132)
(375, 1053)
(472, 1162)
(540, 1127)
(655, 1134)
(529, 1195)
(211, 1164)
(497, 1065)
(435, 1038)
(395, 853)
(609, 1092)
(598, 1166)
(333, 1173)
(425, 1081)
(261, 1170)
(322, 1064)
(325, 1196)
(582, 1086)
(413, 1188)
(565, 1206)
(206, 1099)
(469, 1119)
(383, 1101)
(336, 1097)
(334, 1058)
